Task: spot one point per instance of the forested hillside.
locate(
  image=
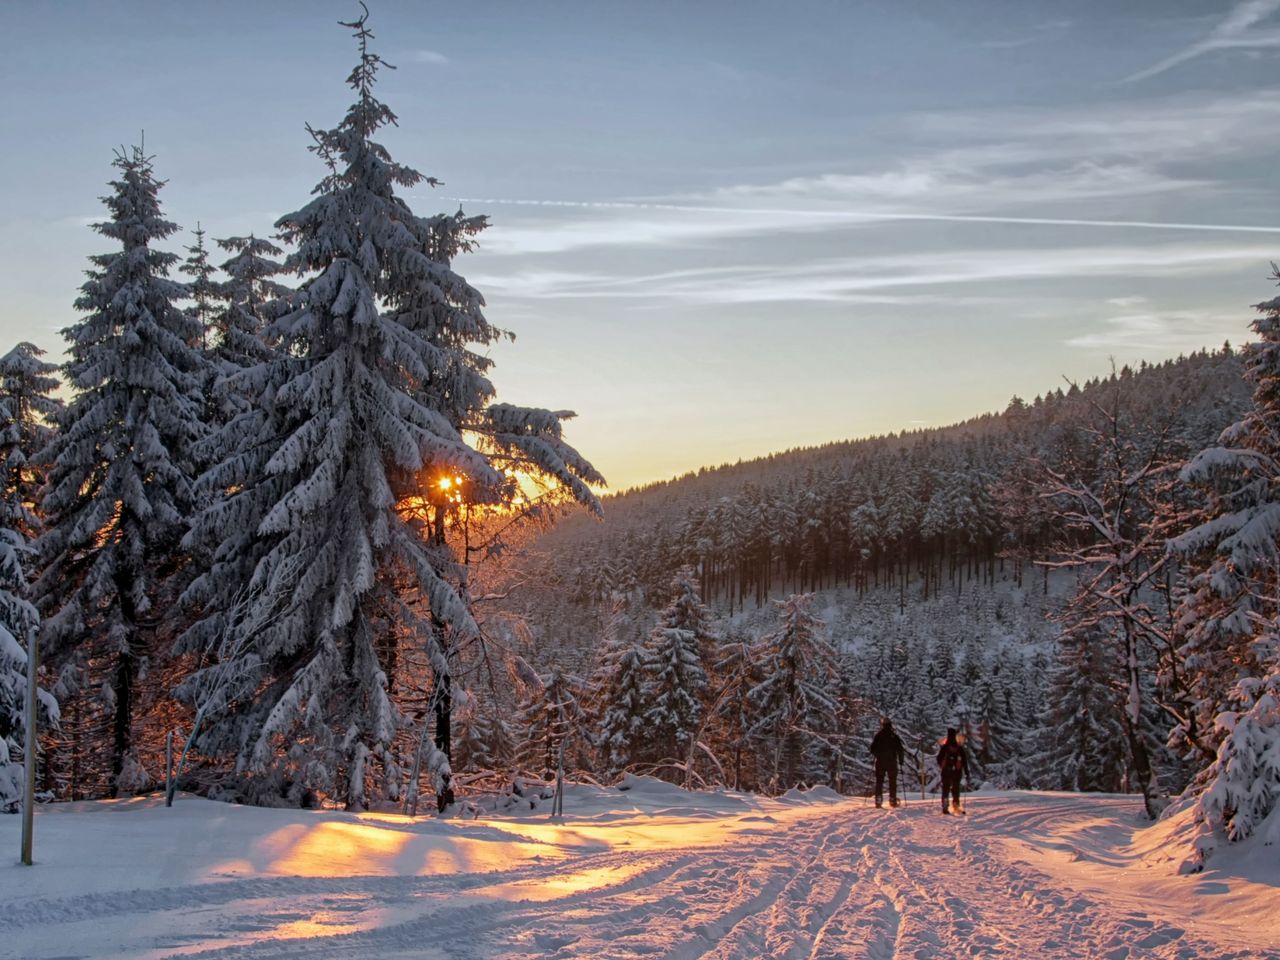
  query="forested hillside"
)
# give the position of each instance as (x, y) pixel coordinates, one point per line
(918, 510)
(970, 576)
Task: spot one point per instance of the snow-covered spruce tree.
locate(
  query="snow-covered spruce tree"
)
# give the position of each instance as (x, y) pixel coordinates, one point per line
(27, 385)
(617, 637)
(202, 289)
(233, 341)
(623, 732)
(612, 679)
(21, 376)
(1231, 615)
(236, 328)
(203, 296)
(18, 623)
(232, 447)
(27, 407)
(794, 705)
(119, 489)
(484, 741)
(1084, 736)
(362, 409)
(675, 674)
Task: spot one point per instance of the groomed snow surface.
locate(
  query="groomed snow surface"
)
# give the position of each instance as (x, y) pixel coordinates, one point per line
(645, 871)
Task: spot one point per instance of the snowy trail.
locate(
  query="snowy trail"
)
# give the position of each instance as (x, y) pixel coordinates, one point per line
(1021, 876)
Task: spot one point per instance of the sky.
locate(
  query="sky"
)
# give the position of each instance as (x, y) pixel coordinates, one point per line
(717, 229)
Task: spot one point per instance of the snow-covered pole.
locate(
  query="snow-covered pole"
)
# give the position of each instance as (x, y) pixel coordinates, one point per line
(29, 746)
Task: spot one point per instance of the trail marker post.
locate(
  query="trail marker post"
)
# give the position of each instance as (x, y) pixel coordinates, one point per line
(29, 746)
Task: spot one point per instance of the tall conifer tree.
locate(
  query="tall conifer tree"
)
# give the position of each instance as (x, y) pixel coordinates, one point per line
(359, 413)
(795, 703)
(676, 688)
(1084, 735)
(202, 290)
(1231, 615)
(119, 490)
(236, 337)
(27, 406)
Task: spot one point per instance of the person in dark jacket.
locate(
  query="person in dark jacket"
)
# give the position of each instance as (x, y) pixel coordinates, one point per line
(886, 747)
(953, 763)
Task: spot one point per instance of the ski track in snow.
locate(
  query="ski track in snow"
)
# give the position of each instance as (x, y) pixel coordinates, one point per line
(834, 881)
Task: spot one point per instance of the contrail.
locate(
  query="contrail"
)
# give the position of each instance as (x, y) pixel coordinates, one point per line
(856, 215)
(1231, 33)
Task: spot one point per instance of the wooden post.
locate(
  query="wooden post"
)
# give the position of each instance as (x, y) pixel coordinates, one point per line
(557, 802)
(29, 760)
(920, 768)
(168, 769)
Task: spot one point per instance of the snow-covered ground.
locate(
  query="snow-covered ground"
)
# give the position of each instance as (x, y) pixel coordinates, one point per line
(648, 871)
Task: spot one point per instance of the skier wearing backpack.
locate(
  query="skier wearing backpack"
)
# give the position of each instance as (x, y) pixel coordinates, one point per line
(952, 762)
(887, 749)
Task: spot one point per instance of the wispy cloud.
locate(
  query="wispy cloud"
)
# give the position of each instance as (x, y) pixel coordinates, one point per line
(638, 224)
(433, 57)
(1038, 33)
(1011, 166)
(1235, 32)
(982, 161)
(1149, 131)
(954, 181)
(1163, 332)
(909, 278)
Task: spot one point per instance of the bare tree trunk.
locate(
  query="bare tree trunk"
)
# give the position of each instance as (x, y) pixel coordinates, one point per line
(443, 739)
(1133, 726)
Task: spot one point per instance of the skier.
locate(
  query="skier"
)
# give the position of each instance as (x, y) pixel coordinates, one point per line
(952, 762)
(886, 747)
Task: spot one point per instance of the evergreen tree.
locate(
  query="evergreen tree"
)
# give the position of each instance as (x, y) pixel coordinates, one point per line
(27, 386)
(119, 489)
(1085, 735)
(484, 740)
(623, 730)
(18, 623)
(676, 687)
(794, 703)
(202, 290)
(359, 414)
(618, 637)
(27, 406)
(1231, 615)
(236, 328)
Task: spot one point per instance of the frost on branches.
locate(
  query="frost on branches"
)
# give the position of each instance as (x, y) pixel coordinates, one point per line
(622, 726)
(25, 385)
(1084, 735)
(1231, 615)
(322, 515)
(234, 333)
(202, 290)
(676, 682)
(119, 489)
(794, 704)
